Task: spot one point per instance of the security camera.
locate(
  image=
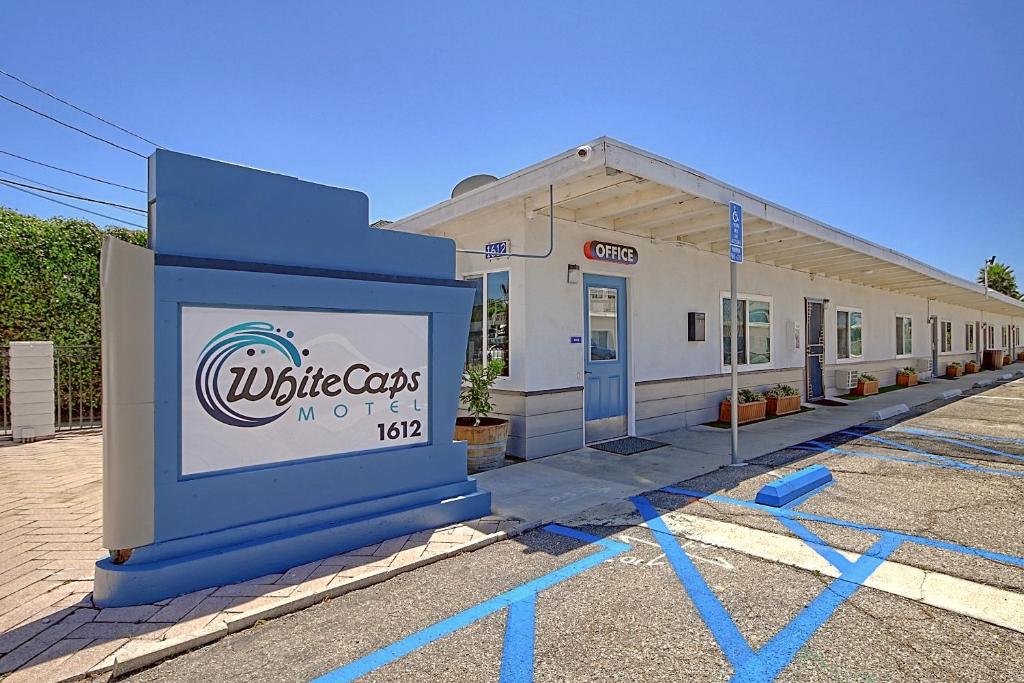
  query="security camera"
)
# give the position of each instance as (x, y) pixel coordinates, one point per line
(584, 152)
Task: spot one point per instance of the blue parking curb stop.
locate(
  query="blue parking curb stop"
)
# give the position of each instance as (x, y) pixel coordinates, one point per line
(792, 486)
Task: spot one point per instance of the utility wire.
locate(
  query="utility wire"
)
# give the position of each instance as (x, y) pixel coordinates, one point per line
(64, 170)
(76, 208)
(77, 108)
(71, 196)
(68, 125)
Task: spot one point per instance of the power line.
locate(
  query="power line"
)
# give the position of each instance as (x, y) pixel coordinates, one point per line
(76, 208)
(68, 125)
(70, 196)
(77, 108)
(65, 170)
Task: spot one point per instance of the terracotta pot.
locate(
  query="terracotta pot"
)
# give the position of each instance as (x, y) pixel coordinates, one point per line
(486, 442)
(784, 405)
(1007, 360)
(906, 380)
(954, 371)
(866, 388)
(970, 368)
(748, 412)
(1020, 356)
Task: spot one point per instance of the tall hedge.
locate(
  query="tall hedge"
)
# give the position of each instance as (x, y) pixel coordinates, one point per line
(50, 278)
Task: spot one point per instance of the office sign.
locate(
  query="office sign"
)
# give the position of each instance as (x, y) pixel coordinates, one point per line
(265, 386)
(496, 250)
(613, 253)
(735, 232)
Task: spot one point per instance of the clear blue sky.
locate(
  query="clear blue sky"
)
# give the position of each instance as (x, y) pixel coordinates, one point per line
(902, 122)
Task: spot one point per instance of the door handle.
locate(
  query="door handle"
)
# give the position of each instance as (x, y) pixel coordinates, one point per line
(587, 372)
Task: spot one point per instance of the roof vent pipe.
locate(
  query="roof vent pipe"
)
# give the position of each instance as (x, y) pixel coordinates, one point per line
(551, 233)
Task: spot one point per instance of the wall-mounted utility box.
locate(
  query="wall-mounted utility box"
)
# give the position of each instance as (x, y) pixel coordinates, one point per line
(695, 326)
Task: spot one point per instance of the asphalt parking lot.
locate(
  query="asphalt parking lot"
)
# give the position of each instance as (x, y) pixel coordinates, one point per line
(909, 566)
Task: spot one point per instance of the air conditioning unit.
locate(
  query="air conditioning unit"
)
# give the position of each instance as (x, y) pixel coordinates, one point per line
(846, 379)
(924, 367)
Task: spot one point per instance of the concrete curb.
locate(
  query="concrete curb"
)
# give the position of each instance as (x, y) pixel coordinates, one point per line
(890, 411)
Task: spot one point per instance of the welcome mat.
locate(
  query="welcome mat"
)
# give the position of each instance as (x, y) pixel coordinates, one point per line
(628, 445)
(827, 402)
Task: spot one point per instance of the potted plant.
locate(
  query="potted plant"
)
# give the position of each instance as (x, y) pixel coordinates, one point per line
(867, 385)
(752, 407)
(954, 369)
(1020, 355)
(1007, 359)
(782, 399)
(906, 377)
(486, 436)
(971, 367)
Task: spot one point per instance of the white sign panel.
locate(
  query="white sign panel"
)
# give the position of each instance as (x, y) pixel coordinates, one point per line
(268, 386)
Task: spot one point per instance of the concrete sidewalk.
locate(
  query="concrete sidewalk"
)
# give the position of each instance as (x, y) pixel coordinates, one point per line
(562, 485)
(50, 539)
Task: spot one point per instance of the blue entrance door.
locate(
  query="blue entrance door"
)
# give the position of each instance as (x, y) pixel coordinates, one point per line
(605, 359)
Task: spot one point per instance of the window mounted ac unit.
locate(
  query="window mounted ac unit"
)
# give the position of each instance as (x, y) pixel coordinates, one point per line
(846, 379)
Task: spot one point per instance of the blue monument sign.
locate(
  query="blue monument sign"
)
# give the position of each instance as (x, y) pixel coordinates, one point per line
(280, 382)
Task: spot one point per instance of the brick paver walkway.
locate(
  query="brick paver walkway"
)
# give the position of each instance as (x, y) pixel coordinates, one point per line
(50, 538)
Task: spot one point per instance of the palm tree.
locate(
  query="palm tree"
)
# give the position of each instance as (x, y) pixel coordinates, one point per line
(1000, 278)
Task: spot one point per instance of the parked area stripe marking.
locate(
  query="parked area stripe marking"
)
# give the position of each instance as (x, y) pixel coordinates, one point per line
(797, 514)
(958, 442)
(767, 663)
(993, 605)
(517, 655)
(529, 590)
(960, 435)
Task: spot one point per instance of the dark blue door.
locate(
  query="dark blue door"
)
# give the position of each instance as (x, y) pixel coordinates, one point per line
(815, 349)
(605, 359)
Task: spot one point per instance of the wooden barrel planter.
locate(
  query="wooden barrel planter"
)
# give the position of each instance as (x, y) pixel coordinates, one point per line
(992, 359)
(1007, 359)
(866, 388)
(970, 367)
(748, 412)
(954, 371)
(486, 443)
(783, 405)
(1020, 356)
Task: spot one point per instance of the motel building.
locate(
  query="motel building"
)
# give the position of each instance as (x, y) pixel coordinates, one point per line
(616, 321)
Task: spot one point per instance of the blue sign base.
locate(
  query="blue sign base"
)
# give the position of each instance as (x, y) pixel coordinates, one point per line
(179, 567)
(281, 383)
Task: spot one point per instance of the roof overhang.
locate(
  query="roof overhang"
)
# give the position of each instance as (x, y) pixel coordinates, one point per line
(621, 188)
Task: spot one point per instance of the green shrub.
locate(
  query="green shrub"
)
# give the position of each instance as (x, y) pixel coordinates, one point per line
(909, 370)
(956, 364)
(476, 393)
(866, 377)
(750, 396)
(50, 278)
(781, 391)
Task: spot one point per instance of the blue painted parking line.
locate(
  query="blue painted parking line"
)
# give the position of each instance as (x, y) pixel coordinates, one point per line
(517, 653)
(960, 435)
(957, 442)
(815, 543)
(806, 516)
(519, 601)
(750, 666)
(944, 463)
(955, 464)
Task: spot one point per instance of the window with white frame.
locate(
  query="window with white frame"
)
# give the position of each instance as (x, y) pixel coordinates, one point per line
(488, 326)
(1005, 340)
(754, 330)
(990, 336)
(969, 336)
(849, 333)
(946, 336)
(904, 335)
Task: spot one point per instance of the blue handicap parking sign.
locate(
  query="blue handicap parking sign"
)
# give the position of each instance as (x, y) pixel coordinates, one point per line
(735, 232)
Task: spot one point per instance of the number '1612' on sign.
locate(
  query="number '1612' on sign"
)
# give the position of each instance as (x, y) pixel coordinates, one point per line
(399, 430)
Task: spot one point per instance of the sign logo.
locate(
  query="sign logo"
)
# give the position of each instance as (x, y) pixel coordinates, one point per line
(267, 386)
(613, 253)
(735, 232)
(249, 337)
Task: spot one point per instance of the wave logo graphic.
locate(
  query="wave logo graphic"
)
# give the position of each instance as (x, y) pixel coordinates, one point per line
(247, 337)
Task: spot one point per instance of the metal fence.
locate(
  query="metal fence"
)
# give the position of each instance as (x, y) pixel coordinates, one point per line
(5, 393)
(77, 387)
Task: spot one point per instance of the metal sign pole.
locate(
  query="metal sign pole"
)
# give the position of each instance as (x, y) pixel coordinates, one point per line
(735, 257)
